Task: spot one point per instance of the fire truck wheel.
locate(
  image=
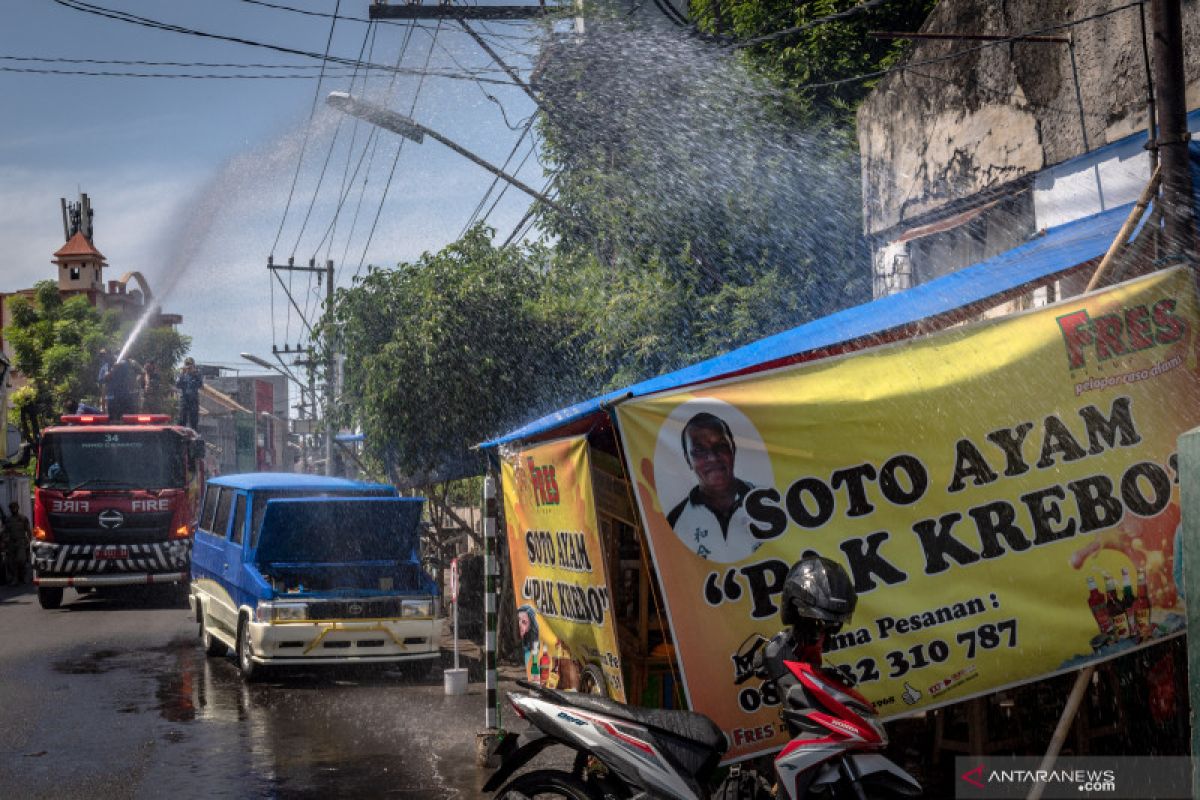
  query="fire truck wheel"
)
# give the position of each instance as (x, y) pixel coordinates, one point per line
(212, 645)
(250, 670)
(50, 597)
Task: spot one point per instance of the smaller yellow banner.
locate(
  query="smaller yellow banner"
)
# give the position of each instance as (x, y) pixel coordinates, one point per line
(564, 611)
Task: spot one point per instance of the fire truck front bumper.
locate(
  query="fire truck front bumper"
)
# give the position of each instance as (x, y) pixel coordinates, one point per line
(86, 565)
(123, 579)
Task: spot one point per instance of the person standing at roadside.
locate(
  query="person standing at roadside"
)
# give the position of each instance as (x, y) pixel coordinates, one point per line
(16, 543)
(190, 383)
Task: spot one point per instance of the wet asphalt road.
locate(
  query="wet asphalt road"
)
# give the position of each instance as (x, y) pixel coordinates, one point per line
(113, 698)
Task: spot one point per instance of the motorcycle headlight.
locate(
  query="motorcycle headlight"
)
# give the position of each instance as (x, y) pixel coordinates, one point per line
(276, 612)
(417, 608)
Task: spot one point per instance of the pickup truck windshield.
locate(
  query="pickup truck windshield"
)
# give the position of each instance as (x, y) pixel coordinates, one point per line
(125, 459)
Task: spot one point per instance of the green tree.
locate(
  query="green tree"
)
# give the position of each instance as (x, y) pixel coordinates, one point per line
(56, 344)
(443, 352)
(831, 54)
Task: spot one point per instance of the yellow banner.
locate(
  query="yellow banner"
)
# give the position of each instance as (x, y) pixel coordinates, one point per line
(975, 483)
(564, 611)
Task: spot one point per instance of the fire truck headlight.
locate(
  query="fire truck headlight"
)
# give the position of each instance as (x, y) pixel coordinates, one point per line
(417, 608)
(182, 532)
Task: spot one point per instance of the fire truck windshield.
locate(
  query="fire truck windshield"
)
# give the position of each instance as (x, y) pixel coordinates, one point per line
(123, 459)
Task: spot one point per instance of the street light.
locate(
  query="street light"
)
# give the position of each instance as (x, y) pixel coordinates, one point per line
(253, 359)
(416, 132)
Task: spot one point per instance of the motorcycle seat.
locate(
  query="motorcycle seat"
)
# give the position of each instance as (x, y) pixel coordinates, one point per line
(684, 724)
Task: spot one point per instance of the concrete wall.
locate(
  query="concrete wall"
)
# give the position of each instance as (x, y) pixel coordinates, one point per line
(974, 126)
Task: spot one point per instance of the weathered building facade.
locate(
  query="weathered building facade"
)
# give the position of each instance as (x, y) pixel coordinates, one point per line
(976, 146)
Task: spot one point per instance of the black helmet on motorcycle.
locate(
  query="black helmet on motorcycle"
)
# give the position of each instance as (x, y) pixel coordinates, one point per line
(817, 589)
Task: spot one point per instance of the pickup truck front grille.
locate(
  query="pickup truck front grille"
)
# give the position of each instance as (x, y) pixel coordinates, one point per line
(373, 608)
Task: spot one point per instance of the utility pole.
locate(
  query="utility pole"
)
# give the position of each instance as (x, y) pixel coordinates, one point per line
(1179, 224)
(330, 374)
(323, 273)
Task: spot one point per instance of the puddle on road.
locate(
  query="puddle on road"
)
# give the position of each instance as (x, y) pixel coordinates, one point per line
(94, 663)
(307, 733)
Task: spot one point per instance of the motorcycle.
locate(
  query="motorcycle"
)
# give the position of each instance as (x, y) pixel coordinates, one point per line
(625, 752)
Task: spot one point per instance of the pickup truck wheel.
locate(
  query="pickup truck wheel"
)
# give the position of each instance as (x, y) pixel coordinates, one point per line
(213, 646)
(250, 671)
(50, 597)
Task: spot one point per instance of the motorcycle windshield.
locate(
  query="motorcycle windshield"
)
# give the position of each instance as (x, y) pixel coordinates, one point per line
(322, 530)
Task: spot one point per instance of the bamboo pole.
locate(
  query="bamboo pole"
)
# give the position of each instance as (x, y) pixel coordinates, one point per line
(1123, 235)
(1064, 722)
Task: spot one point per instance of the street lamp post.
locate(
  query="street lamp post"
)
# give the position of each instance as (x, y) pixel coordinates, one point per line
(416, 132)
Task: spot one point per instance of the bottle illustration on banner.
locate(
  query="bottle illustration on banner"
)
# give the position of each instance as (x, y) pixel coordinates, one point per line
(1141, 608)
(1115, 611)
(544, 667)
(1099, 605)
(1127, 601)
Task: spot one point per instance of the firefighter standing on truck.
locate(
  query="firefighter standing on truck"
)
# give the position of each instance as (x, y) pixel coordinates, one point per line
(189, 384)
(121, 382)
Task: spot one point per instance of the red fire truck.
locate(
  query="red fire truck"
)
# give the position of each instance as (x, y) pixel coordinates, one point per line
(114, 504)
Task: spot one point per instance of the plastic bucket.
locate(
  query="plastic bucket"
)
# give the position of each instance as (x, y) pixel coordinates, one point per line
(456, 681)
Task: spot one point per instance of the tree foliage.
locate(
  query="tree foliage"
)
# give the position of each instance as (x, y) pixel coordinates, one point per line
(719, 214)
(56, 345)
(444, 352)
(705, 198)
(830, 54)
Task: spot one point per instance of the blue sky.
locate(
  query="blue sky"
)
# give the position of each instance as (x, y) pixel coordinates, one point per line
(189, 178)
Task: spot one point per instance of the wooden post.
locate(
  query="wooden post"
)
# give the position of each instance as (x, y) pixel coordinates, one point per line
(1123, 235)
(1064, 726)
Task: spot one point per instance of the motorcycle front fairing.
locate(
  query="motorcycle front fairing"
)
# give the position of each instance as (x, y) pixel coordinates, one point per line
(871, 770)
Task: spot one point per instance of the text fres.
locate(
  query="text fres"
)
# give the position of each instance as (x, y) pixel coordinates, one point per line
(1046, 515)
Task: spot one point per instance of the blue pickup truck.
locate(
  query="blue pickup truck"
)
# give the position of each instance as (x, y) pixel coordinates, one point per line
(304, 569)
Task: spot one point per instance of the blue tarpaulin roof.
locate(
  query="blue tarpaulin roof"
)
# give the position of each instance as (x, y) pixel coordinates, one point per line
(1054, 251)
(1057, 250)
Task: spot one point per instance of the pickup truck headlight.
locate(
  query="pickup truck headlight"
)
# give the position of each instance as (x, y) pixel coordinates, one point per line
(275, 612)
(417, 608)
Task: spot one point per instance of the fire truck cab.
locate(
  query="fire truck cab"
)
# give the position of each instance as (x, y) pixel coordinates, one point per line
(114, 503)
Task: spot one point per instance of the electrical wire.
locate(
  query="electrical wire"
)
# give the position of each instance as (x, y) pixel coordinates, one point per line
(505, 188)
(207, 64)
(158, 75)
(340, 71)
(1001, 94)
(146, 22)
(399, 149)
(296, 175)
(670, 12)
(347, 178)
(812, 23)
(332, 141)
(373, 141)
(496, 179)
(972, 49)
(306, 12)
(488, 95)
